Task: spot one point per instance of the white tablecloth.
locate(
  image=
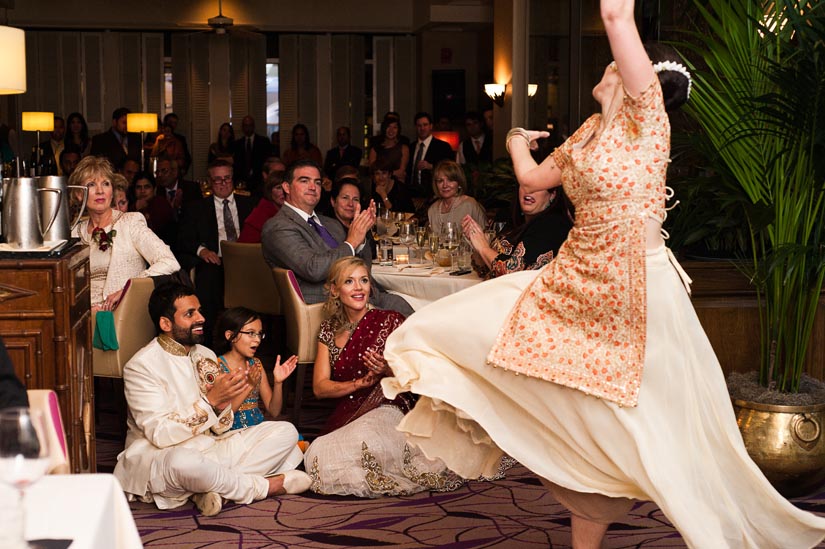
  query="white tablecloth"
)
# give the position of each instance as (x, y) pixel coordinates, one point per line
(91, 510)
(420, 288)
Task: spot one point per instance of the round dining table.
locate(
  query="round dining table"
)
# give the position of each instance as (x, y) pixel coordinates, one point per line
(420, 286)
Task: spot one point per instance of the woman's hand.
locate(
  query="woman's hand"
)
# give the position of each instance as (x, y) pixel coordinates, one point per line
(474, 233)
(535, 136)
(254, 376)
(368, 380)
(110, 302)
(376, 363)
(381, 188)
(282, 371)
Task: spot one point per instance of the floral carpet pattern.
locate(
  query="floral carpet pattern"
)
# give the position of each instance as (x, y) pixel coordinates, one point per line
(511, 513)
(516, 512)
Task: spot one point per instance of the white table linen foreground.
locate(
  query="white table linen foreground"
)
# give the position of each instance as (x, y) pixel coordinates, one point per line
(420, 287)
(91, 510)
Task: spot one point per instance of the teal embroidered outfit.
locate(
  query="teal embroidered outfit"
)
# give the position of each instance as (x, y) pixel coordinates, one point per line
(248, 414)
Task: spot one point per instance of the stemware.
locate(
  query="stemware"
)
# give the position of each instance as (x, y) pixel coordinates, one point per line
(24, 459)
(421, 237)
(407, 235)
(499, 226)
(434, 244)
(450, 235)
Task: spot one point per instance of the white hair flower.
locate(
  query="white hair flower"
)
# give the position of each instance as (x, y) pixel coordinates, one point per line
(677, 67)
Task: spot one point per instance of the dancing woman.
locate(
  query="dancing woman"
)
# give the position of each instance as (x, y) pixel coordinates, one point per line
(594, 372)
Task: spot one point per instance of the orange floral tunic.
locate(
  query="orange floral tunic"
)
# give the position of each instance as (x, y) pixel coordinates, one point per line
(582, 322)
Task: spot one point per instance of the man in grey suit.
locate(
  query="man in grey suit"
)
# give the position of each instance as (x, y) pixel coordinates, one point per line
(297, 238)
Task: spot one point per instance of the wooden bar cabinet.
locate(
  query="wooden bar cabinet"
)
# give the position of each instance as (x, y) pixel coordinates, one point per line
(45, 322)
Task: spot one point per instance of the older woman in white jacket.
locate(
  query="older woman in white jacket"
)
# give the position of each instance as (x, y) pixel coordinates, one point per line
(121, 245)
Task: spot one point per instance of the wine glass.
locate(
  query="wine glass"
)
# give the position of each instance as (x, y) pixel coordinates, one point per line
(450, 235)
(434, 244)
(407, 235)
(421, 237)
(24, 456)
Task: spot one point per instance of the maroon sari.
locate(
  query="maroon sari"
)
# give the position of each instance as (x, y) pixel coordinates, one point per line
(347, 364)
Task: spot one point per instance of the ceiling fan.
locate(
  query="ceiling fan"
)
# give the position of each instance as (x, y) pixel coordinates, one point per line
(221, 23)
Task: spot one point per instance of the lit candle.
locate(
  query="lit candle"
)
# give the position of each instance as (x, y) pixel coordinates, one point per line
(402, 259)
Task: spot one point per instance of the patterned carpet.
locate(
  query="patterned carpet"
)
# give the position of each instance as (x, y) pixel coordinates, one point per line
(512, 513)
(515, 512)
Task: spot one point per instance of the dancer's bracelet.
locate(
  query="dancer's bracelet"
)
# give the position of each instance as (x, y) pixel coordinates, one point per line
(517, 132)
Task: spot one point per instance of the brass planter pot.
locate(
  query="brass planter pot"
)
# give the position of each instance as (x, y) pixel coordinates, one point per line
(786, 442)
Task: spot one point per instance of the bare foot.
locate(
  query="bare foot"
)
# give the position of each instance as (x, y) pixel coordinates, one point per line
(276, 486)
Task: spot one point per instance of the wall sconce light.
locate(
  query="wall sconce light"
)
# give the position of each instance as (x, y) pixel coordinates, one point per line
(13, 61)
(532, 89)
(37, 122)
(141, 122)
(496, 93)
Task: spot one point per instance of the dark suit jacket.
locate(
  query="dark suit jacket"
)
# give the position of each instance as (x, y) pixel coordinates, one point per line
(12, 391)
(437, 151)
(250, 173)
(484, 155)
(199, 227)
(290, 242)
(334, 160)
(107, 144)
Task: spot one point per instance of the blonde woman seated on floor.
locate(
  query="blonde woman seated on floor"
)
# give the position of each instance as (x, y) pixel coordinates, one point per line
(361, 453)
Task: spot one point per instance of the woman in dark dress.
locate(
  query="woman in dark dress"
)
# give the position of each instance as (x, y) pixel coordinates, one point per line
(545, 222)
(390, 150)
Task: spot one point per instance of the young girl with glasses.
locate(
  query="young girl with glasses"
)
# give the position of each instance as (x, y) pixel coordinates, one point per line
(238, 334)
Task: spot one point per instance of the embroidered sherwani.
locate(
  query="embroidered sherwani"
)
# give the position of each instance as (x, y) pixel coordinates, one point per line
(178, 445)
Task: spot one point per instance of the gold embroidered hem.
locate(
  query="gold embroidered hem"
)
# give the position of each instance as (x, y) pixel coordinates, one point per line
(194, 421)
(581, 322)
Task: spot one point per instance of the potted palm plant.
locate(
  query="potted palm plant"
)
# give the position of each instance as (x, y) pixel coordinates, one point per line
(759, 97)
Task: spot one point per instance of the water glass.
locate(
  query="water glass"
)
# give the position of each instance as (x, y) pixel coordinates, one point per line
(24, 459)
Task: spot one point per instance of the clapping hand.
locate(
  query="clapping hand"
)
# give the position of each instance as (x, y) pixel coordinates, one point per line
(281, 371)
(472, 230)
(254, 376)
(361, 224)
(227, 387)
(376, 362)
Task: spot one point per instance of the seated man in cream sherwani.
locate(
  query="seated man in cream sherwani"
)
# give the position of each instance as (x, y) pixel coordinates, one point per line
(179, 444)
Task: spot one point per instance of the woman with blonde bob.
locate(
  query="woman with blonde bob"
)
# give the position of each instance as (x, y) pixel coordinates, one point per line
(121, 245)
(361, 453)
(452, 204)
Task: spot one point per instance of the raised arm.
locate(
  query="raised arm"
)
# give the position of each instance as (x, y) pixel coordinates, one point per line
(531, 176)
(626, 45)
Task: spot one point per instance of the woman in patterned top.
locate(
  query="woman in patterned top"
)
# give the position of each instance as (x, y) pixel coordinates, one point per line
(238, 333)
(545, 222)
(594, 372)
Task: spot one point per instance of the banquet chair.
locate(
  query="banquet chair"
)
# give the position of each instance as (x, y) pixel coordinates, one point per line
(248, 280)
(303, 323)
(133, 327)
(45, 402)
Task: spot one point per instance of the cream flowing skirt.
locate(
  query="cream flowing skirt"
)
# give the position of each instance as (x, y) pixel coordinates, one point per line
(680, 447)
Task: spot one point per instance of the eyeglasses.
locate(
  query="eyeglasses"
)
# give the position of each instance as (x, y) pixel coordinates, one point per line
(258, 335)
(225, 180)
